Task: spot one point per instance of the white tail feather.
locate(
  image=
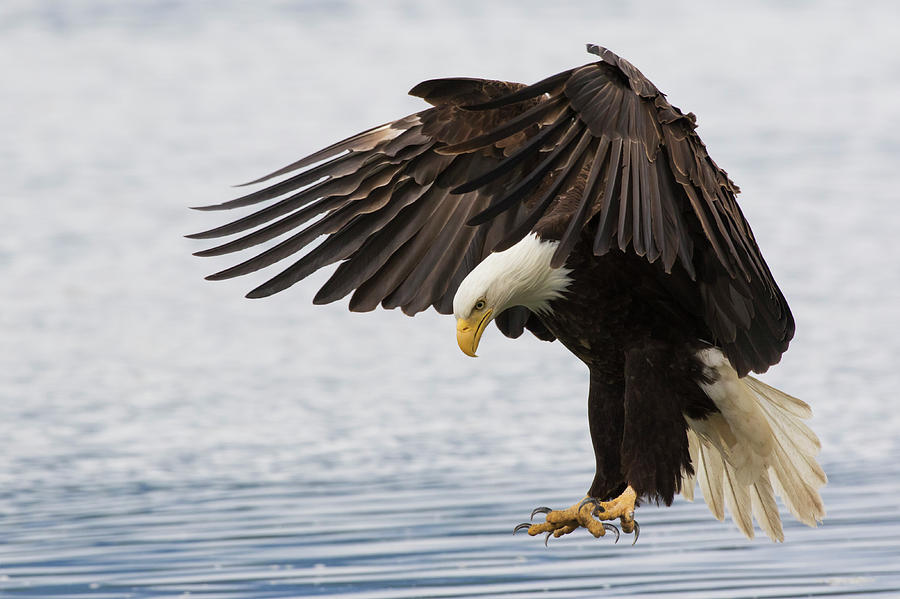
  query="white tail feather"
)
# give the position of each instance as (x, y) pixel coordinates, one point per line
(765, 510)
(689, 481)
(710, 472)
(757, 446)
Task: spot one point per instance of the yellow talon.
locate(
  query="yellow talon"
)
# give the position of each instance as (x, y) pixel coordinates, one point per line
(589, 514)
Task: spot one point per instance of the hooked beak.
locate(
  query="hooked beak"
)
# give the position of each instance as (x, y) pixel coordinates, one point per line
(468, 332)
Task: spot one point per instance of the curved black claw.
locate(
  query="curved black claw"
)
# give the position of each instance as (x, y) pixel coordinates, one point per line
(547, 539)
(540, 510)
(522, 526)
(612, 528)
(595, 502)
(637, 532)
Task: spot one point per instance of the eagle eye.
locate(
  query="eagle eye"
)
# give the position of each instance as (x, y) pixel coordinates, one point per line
(479, 305)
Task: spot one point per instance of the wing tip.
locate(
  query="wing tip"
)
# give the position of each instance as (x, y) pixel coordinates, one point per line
(209, 252)
(208, 234)
(596, 49)
(326, 296)
(228, 273)
(260, 292)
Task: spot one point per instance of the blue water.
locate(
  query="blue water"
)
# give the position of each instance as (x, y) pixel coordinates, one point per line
(164, 437)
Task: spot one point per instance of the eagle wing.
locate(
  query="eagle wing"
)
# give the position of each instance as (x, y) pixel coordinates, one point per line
(411, 207)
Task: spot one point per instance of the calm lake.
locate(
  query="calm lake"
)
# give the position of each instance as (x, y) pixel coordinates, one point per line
(164, 437)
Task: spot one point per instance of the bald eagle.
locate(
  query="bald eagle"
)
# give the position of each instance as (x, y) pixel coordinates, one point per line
(582, 208)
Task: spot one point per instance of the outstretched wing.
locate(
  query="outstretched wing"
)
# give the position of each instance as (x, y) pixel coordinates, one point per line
(410, 207)
(383, 199)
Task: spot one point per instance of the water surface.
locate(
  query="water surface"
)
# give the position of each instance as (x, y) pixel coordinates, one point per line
(164, 437)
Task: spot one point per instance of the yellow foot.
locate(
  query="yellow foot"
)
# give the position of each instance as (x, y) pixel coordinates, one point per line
(590, 514)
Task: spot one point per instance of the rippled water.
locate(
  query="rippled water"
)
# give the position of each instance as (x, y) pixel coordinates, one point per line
(164, 437)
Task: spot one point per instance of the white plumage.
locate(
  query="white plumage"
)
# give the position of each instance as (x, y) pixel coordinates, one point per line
(756, 447)
(518, 276)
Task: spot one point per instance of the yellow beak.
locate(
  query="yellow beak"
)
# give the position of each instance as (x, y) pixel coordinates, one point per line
(468, 332)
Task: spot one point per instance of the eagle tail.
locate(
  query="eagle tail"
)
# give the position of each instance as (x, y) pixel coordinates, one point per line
(756, 447)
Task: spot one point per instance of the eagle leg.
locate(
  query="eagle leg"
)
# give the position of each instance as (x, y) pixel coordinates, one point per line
(589, 513)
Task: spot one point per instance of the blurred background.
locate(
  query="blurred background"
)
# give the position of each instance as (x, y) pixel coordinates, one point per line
(162, 436)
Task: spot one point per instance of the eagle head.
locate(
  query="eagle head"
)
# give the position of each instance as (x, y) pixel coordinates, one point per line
(518, 276)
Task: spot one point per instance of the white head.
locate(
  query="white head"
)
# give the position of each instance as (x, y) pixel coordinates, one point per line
(519, 276)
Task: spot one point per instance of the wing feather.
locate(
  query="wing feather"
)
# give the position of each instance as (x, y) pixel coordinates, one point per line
(549, 134)
(563, 179)
(573, 229)
(526, 185)
(378, 287)
(378, 249)
(446, 251)
(350, 236)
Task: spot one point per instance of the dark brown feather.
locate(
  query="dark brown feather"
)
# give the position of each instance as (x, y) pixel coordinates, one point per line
(378, 248)
(526, 185)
